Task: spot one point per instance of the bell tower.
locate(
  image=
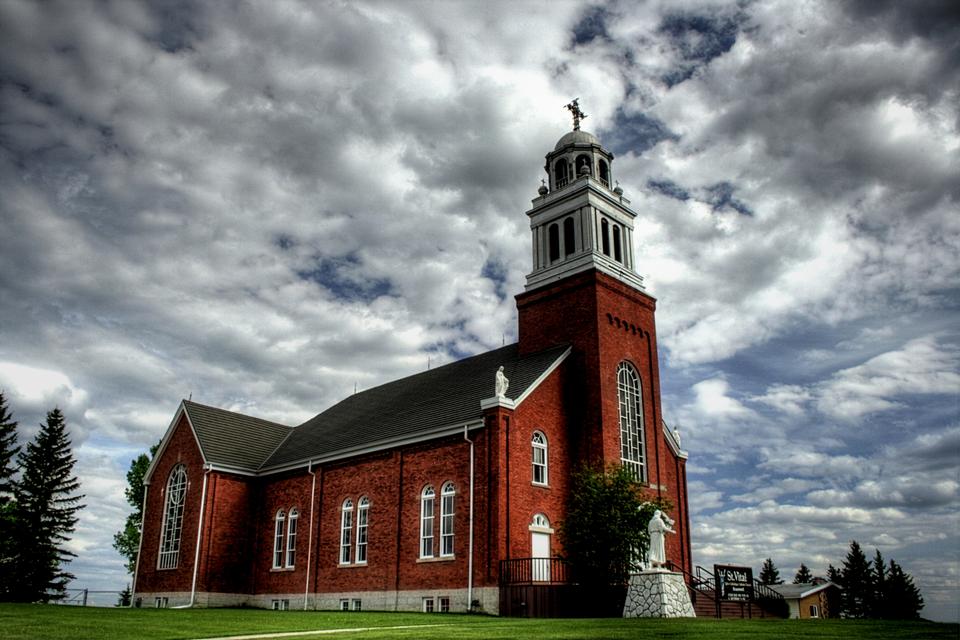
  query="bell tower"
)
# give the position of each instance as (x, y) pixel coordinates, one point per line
(580, 222)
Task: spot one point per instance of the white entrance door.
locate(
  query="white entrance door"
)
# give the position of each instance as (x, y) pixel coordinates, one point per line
(540, 543)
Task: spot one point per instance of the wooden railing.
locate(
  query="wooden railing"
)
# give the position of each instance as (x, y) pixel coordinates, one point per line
(533, 571)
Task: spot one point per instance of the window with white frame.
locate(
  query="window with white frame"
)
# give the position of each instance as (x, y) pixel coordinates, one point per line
(363, 515)
(444, 604)
(427, 605)
(278, 521)
(344, 604)
(539, 442)
(427, 497)
(346, 530)
(172, 528)
(632, 453)
(356, 604)
(447, 494)
(292, 537)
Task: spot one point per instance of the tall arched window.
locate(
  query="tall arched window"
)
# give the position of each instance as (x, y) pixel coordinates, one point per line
(292, 537)
(605, 236)
(427, 497)
(172, 528)
(553, 239)
(278, 539)
(363, 510)
(569, 240)
(346, 530)
(583, 166)
(539, 443)
(617, 250)
(632, 453)
(446, 519)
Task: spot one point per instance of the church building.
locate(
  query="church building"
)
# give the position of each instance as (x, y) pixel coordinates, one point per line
(412, 496)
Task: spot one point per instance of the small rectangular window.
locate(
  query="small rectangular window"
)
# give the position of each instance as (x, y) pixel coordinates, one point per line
(280, 605)
(814, 611)
(444, 604)
(428, 605)
(355, 604)
(160, 603)
(344, 604)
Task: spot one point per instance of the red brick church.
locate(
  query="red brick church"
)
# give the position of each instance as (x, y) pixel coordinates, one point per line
(409, 496)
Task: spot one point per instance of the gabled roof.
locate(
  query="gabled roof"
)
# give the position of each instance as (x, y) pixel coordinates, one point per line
(791, 591)
(419, 406)
(233, 440)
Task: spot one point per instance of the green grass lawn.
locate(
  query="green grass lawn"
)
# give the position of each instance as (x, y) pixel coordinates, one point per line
(51, 622)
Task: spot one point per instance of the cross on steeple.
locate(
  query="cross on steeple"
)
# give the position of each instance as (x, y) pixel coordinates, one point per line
(578, 115)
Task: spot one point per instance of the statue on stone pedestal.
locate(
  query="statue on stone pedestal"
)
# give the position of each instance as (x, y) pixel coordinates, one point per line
(660, 525)
(502, 384)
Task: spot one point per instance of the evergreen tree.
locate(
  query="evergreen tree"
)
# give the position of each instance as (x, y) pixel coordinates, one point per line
(605, 529)
(47, 504)
(834, 575)
(769, 574)
(879, 603)
(903, 599)
(8, 453)
(127, 540)
(857, 597)
(803, 575)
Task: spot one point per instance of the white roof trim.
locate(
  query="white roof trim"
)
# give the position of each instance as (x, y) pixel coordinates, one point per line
(181, 411)
(543, 376)
(441, 432)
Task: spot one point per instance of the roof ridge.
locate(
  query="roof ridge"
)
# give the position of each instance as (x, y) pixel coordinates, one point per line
(186, 404)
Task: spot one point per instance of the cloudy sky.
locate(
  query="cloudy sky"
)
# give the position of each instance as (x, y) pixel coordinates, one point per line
(263, 204)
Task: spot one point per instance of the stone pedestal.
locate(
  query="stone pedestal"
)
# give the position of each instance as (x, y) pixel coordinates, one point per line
(657, 594)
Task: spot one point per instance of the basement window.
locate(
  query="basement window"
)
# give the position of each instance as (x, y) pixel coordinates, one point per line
(280, 605)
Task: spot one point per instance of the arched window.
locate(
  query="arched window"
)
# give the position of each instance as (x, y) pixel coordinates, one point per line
(292, 537)
(172, 528)
(346, 529)
(583, 166)
(363, 510)
(539, 442)
(560, 173)
(604, 172)
(605, 236)
(569, 241)
(278, 539)
(426, 522)
(617, 251)
(632, 453)
(446, 519)
(540, 521)
(553, 238)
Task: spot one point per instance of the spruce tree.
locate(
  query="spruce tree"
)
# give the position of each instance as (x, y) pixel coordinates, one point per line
(904, 601)
(8, 454)
(47, 504)
(880, 602)
(803, 575)
(769, 574)
(857, 584)
(127, 540)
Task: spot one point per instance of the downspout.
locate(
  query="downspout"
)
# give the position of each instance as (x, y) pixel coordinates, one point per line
(196, 554)
(136, 567)
(313, 487)
(657, 426)
(470, 537)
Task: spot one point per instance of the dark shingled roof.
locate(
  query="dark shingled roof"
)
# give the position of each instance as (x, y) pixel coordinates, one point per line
(412, 406)
(233, 439)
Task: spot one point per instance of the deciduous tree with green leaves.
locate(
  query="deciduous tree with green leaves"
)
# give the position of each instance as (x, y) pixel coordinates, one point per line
(803, 575)
(605, 531)
(127, 540)
(47, 503)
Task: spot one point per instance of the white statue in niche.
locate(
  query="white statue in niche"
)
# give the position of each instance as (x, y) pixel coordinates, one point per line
(502, 383)
(660, 525)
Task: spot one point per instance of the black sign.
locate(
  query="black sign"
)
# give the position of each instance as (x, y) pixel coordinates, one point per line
(734, 583)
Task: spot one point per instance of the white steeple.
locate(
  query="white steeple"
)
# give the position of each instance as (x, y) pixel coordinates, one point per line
(579, 222)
